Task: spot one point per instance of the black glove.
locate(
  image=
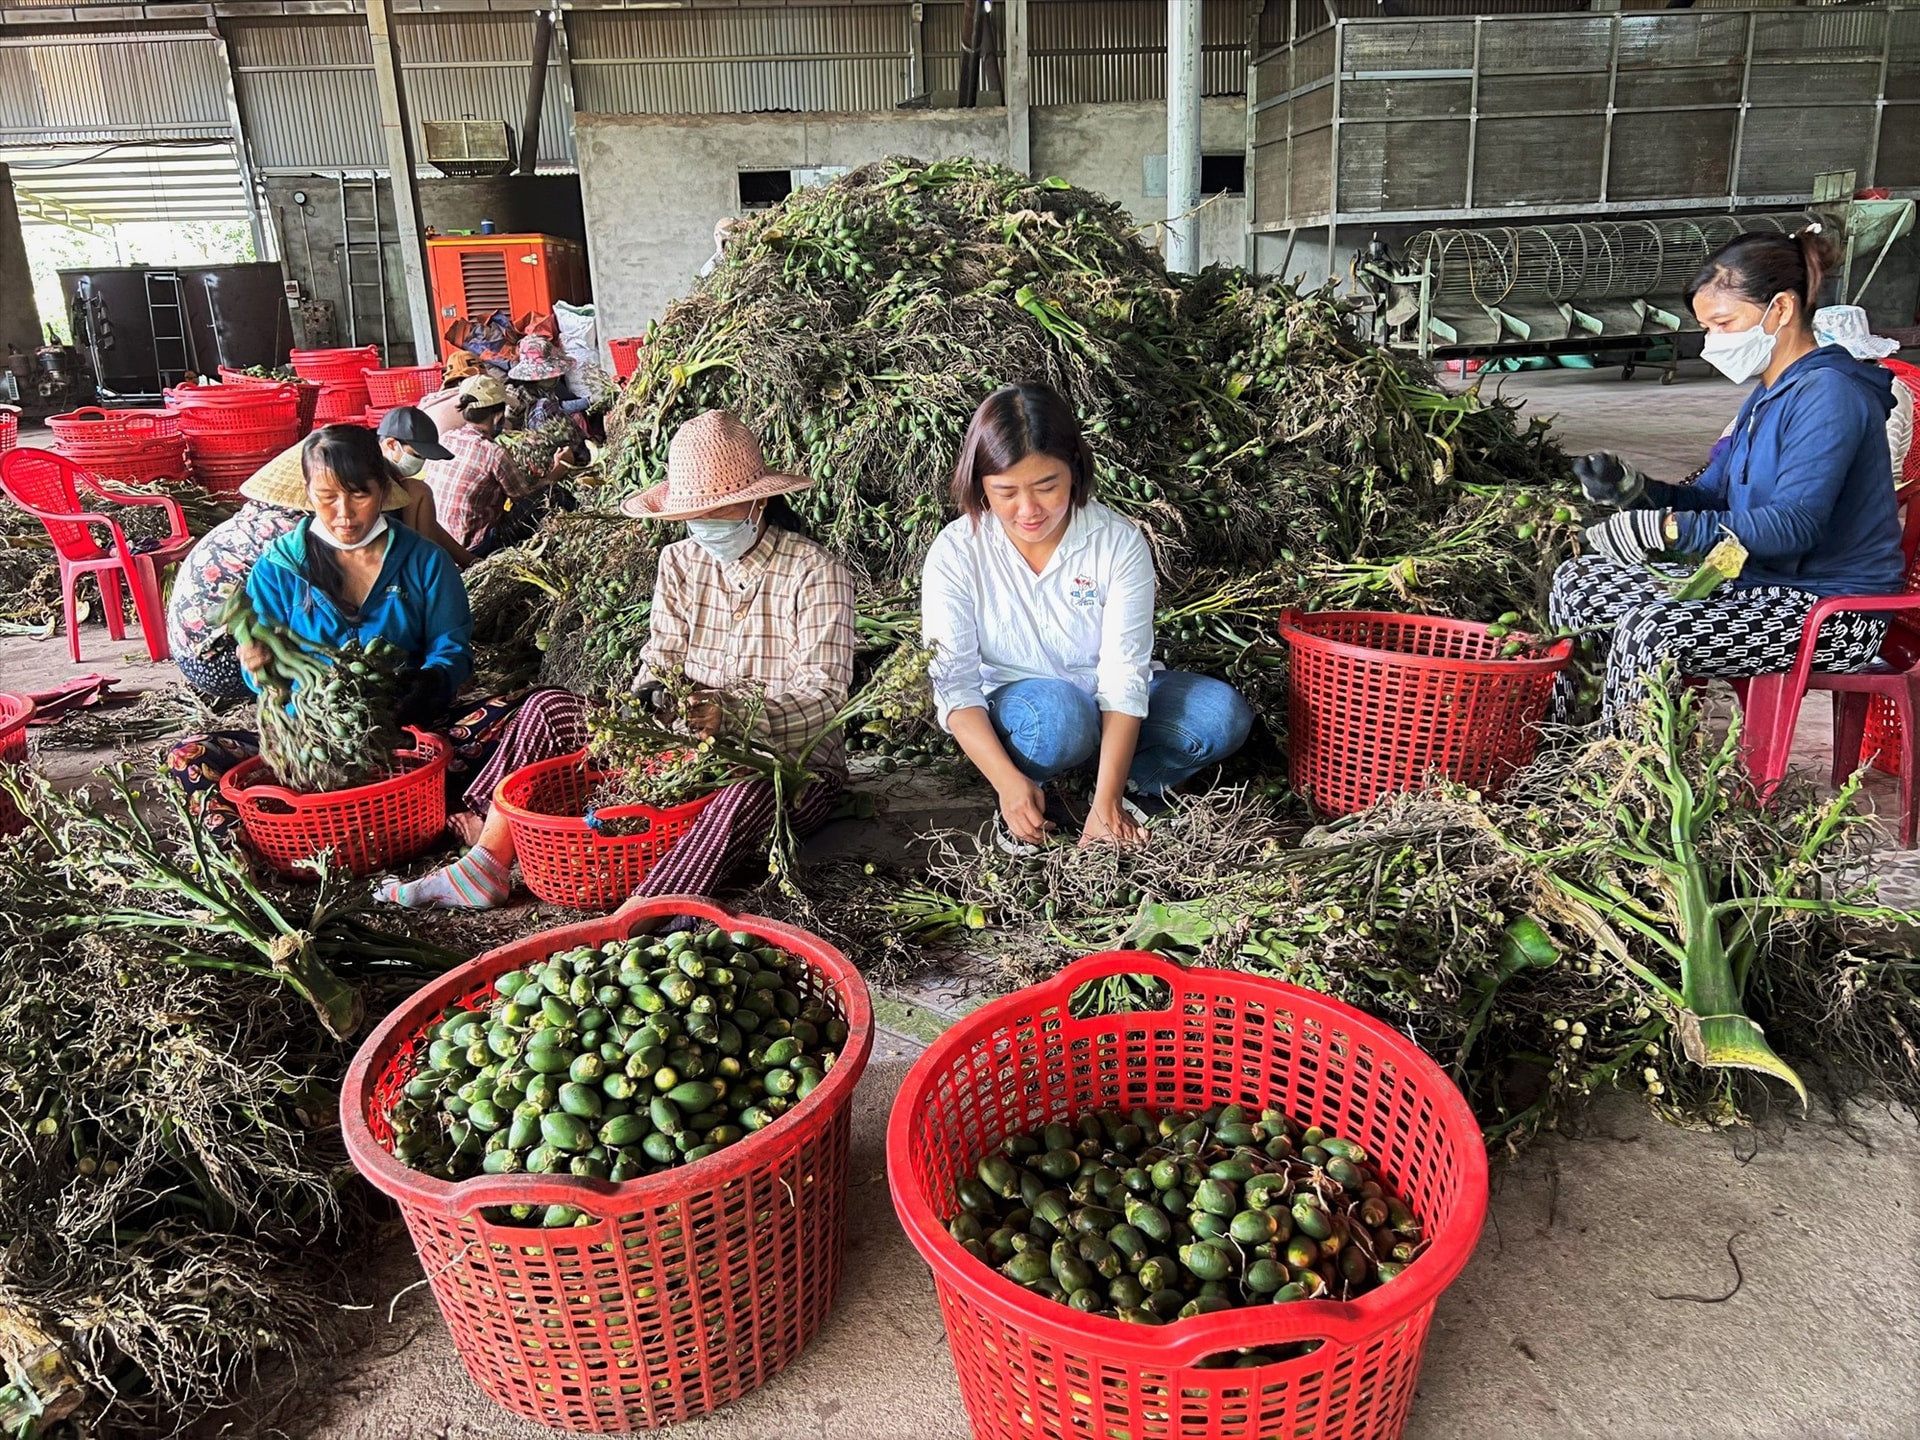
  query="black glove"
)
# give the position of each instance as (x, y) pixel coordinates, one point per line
(1629, 537)
(425, 700)
(1609, 480)
(651, 694)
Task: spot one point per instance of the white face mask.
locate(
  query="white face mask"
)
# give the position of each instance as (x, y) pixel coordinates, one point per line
(726, 540)
(405, 463)
(1741, 354)
(374, 532)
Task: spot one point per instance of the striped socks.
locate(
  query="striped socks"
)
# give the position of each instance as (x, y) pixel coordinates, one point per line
(476, 881)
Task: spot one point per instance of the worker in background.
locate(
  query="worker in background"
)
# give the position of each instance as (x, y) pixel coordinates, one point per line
(543, 382)
(722, 232)
(443, 406)
(1039, 603)
(1805, 484)
(276, 503)
(344, 572)
(475, 488)
(745, 602)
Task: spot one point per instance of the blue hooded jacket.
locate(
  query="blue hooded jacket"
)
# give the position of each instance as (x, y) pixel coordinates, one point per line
(418, 603)
(1806, 483)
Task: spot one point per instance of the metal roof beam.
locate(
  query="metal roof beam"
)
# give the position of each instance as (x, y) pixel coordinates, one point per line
(39, 210)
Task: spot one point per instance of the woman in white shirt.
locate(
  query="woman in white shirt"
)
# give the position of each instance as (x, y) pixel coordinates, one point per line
(1039, 602)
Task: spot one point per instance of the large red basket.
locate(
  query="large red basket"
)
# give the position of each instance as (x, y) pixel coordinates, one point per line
(15, 712)
(402, 385)
(1034, 1369)
(692, 1287)
(564, 859)
(365, 828)
(336, 364)
(1380, 702)
(307, 390)
(92, 426)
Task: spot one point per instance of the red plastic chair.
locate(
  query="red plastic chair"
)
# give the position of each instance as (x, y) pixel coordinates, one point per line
(47, 487)
(1772, 702)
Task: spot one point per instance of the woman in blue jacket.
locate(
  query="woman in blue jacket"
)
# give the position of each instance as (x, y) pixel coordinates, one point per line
(1805, 484)
(347, 572)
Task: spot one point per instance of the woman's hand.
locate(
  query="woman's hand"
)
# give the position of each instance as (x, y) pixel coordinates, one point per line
(1023, 805)
(704, 716)
(1106, 821)
(254, 658)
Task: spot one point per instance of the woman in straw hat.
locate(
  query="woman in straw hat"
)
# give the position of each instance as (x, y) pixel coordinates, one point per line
(276, 502)
(746, 600)
(345, 572)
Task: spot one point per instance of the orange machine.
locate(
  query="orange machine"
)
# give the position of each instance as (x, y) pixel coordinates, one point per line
(476, 275)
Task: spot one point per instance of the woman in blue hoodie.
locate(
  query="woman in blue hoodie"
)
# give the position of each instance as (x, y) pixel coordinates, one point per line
(346, 572)
(1805, 484)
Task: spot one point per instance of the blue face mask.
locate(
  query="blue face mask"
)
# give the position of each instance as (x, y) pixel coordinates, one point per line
(726, 540)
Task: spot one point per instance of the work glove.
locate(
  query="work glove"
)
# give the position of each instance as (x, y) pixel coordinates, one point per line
(1608, 480)
(1630, 537)
(651, 694)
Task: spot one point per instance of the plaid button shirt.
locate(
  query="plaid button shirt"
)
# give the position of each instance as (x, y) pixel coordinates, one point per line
(470, 491)
(781, 617)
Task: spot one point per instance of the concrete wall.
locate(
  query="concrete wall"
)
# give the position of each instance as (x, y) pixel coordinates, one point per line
(654, 186)
(310, 247)
(19, 316)
(1104, 148)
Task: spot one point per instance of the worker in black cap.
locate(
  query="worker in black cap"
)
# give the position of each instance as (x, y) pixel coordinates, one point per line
(408, 439)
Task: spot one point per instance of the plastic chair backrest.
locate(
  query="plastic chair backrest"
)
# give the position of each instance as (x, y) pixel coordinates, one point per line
(50, 483)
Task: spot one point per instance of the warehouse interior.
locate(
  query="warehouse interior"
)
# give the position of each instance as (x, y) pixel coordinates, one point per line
(1483, 207)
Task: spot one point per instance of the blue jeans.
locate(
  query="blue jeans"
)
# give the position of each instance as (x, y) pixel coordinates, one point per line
(1193, 721)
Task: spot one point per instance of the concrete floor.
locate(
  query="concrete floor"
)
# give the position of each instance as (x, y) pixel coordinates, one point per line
(1555, 1329)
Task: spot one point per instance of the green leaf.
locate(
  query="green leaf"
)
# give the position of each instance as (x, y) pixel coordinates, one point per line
(1735, 1042)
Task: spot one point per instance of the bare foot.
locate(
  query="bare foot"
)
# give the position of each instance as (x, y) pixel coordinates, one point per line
(466, 827)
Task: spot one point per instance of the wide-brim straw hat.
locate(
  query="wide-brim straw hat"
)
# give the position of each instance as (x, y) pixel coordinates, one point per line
(281, 482)
(715, 461)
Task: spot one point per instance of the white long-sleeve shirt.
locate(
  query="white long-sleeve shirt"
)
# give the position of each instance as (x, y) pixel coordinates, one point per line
(1087, 618)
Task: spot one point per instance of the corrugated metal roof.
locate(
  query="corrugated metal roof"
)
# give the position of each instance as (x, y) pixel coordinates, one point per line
(307, 92)
(124, 182)
(1088, 51)
(654, 62)
(111, 87)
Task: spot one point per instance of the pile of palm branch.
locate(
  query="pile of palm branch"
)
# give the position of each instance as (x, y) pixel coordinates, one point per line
(1626, 912)
(173, 1034)
(1271, 456)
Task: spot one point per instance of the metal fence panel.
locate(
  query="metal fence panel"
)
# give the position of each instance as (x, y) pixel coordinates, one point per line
(1538, 160)
(1656, 159)
(1405, 99)
(1403, 165)
(1782, 150)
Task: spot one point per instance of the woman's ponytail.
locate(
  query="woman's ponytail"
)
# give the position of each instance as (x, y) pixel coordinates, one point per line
(1817, 254)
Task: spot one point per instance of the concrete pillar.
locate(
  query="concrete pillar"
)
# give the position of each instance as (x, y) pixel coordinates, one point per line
(1183, 134)
(1017, 88)
(19, 316)
(396, 132)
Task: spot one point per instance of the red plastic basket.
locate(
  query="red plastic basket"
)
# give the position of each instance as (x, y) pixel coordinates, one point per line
(400, 386)
(92, 426)
(15, 712)
(336, 364)
(341, 404)
(692, 1287)
(307, 390)
(1379, 702)
(365, 828)
(626, 357)
(264, 441)
(566, 861)
(9, 429)
(1035, 1369)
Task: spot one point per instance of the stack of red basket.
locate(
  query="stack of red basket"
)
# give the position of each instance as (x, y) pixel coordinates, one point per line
(342, 377)
(309, 392)
(232, 430)
(406, 385)
(134, 447)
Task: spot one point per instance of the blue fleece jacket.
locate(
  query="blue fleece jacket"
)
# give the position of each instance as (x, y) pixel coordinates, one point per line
(1806, 482)
(419, 603)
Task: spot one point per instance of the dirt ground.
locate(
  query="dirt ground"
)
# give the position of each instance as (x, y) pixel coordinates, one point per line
(1634, 1281)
